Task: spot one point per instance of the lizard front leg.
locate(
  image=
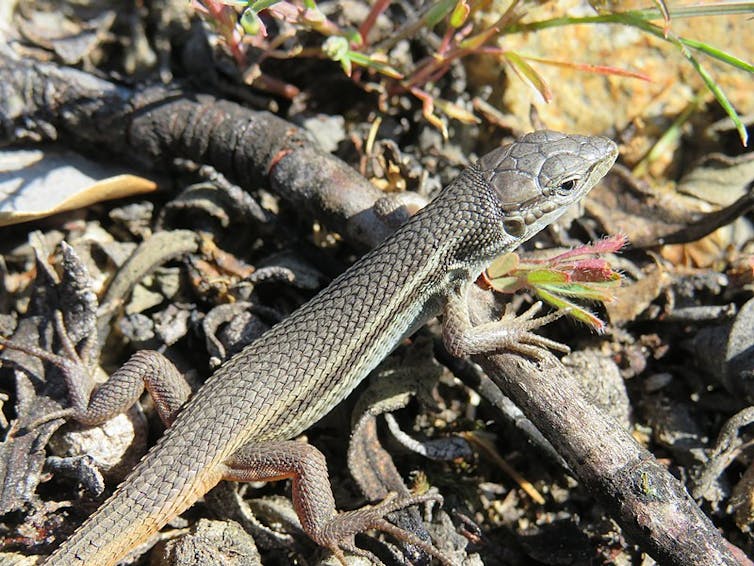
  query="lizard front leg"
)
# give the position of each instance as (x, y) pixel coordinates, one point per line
(511, 333)
(313, 499)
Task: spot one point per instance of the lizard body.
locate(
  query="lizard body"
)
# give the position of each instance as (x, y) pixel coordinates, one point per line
(238, 425)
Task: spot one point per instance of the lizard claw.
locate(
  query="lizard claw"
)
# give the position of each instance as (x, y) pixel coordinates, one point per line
(512, 333)
(522, 340)
(338, 535)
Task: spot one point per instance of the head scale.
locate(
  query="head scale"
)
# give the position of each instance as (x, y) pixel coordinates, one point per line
(541, 174)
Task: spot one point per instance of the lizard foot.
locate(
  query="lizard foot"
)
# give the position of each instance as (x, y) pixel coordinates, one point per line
(74, 367)
(164, 382)
(519, 337)
(338, 534)
(512, 333)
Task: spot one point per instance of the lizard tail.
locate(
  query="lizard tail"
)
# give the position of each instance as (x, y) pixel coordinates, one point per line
(153, 494)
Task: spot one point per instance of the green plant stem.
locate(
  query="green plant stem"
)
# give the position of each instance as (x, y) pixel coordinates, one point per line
(718, 9)
(633, 19)
(672, 134)
(639, 20)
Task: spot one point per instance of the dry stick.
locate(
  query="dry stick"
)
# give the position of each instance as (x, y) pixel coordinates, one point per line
(42, 101)
(652, 507)
(153, 126)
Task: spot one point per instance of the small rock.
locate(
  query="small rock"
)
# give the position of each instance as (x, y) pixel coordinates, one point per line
(210, 543)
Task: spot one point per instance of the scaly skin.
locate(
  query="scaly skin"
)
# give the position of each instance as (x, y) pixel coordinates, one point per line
(278, 386)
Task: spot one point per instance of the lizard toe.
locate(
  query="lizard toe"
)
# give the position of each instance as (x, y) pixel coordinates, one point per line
(338, 535)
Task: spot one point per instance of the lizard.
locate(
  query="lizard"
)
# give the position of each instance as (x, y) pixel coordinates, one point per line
(241, 422)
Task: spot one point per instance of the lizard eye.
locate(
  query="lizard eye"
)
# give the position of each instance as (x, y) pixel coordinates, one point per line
(567, 186)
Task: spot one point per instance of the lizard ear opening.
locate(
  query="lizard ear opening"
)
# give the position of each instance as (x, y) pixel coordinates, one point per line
(515, 226)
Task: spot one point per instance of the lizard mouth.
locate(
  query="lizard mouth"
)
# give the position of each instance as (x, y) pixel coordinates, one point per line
(537, 212)
(516, 224)
(530, 214)
(532, 211)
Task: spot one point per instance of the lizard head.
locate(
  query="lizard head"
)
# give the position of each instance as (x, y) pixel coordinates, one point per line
(539, 176)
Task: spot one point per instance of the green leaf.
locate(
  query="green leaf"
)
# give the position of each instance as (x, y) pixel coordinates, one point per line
(478, 40)
(437, 12)
(576, 311)
(336, 47)
(588, 292)
(718, 54)
(354, 37)
(459, 14)
(250, 21)
(379, 66)
(718, 93)
(260, 5)
(528, 74)
(547, 277)
(506, 284)
(503, 265)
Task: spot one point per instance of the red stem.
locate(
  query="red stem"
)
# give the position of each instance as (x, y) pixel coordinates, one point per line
(366, 26)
